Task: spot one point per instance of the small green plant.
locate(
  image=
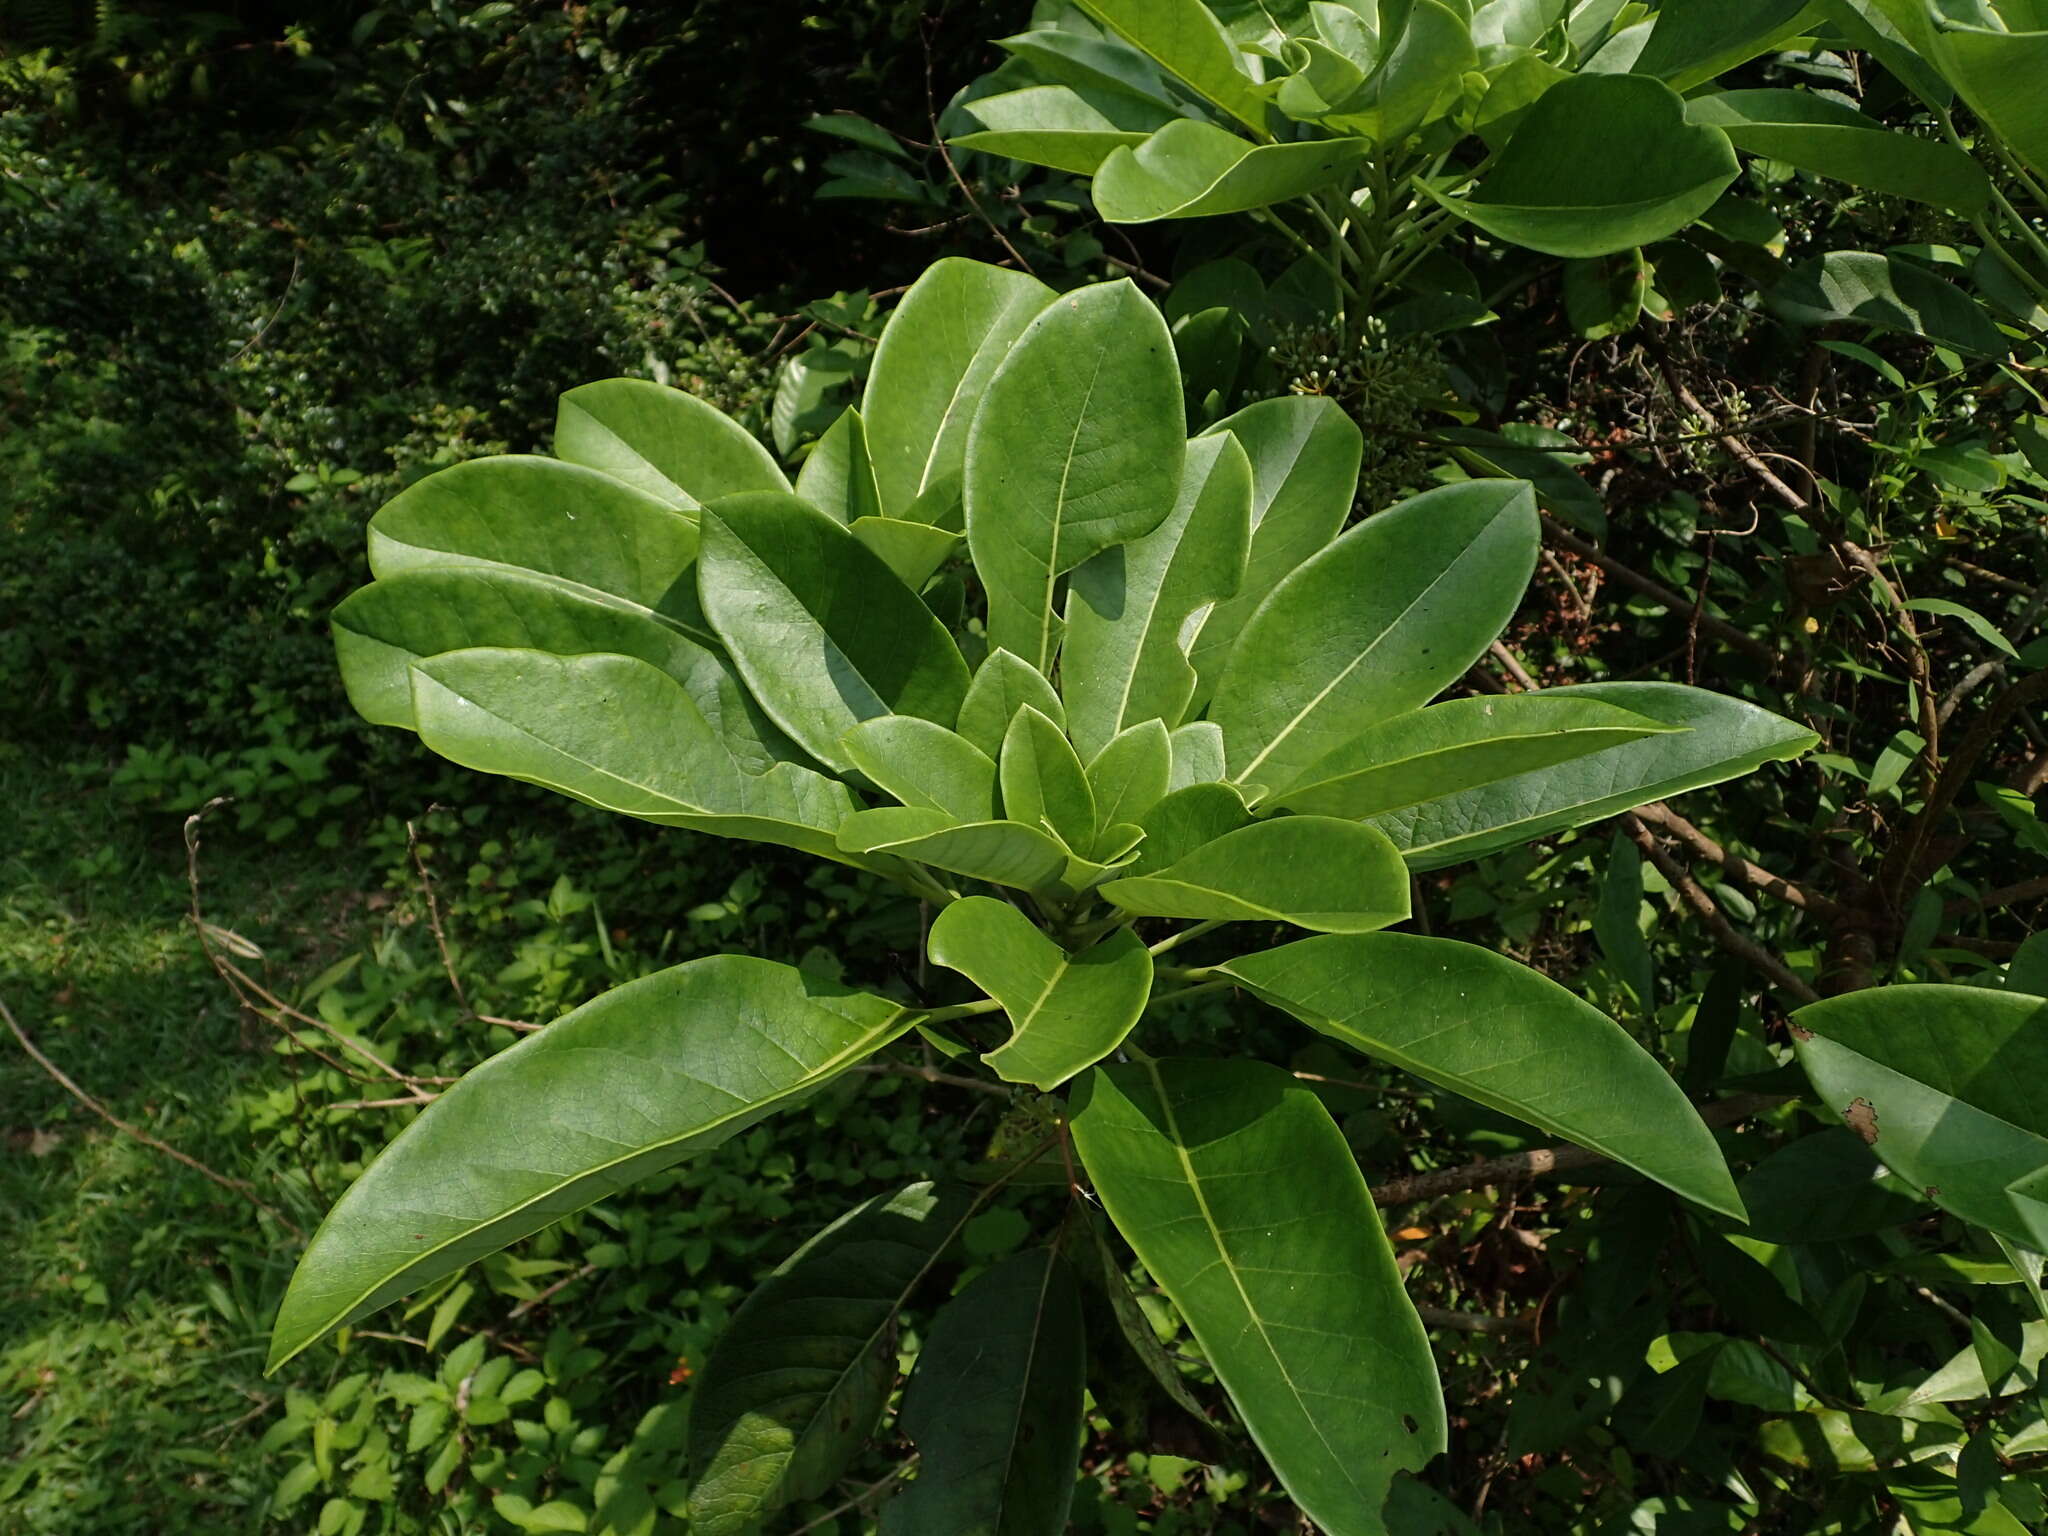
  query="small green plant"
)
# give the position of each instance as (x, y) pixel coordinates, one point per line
(1093, 690)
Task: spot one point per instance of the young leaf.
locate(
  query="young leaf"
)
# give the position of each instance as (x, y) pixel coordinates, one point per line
(1184, 38)
(837, 475)
(925, 765)
(1130, 610)
(937, 353)
(1132, 774)
(1457, 745)
(1239, 1194)
(1003, 685)
(1043, 781)
(995, 1407)
(1057, 126)
(562, 523)
(824, 633)
(615, 732)
(1001, 852)
(625, 1086)
(795, 1386)
(662, 441)
(1374, 626)
(1600, 163)
(1830, 138)
(1421, 69)
(1187, 819)
(913, 550)
(1333, 876)
(1066, 1012)
(1304, 454)
(1943, 1083)
(1191, 170)
(1197, 754)
(1077, 446)
(1502, 1035)
(1717, 738)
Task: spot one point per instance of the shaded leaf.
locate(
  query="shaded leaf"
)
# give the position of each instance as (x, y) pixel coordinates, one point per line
(1002, 852)
(1830, 138)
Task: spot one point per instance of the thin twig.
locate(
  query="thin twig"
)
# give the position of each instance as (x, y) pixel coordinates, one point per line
(237, 1186)
(1720, 629)
(933, 1075)
(1514, 667)
(1739, 869)
(1709, 913)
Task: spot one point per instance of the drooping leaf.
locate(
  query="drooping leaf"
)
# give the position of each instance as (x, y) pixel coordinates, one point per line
(1044, 783)
(574, 526)
(795, 1386)
(1503, 1035)
(1077, 446)
(1130, 609)
(625, 1086)
(1304, 452)
(1830, 138)
(1564, 187)
(1313, 871)
(1004, 684)
(1002, 852)
(995, 1407)
(824, 633)
(837, 475)
(1375, 626)
(1066, 1012)
(1182, 37)
(1057, 126)
(1239, 1194)
(613, 731)
(942, 343)
(1458, 745)
(1692, 41)
(1191, 170)
(924, 764)
(1995, 59)
(671, 445)
(1943, 1083)
(1718, 738)
(1132, 774)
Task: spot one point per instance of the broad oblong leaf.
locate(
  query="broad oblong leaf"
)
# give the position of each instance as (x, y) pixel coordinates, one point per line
(1313, 871)
(662, 441)
(1564, 186)
(1239, 1194)
(614, 732)
(1132, 774)
(1304, 454)
(1187, 819)
(1191, 170)
(1376, 625)
(1003, 684)
(937, 353)
(625, 1086)
(1057, 126)
(1718, 738)
(1994, 53)
(1889, 293)
(1043, 782)
(794, 1388)
(562, 522)
(1077, 446)
(1131, 609)
(1944, 1083)
(1184, 38)
(1830, 138)
(914, 551)
(924, 764)
(1691, 41)
(825, 634)
(1001, 852)
(1066, 1012)
(1503, 1035)
(1458, 745)
(995, 1407)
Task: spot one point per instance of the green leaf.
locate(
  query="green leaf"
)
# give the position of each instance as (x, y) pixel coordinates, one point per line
(947, 336)
(1187, 819)
(1078, 445)
(1563, 186)
(1191, 170)
(837, 476)
(995, 1407)
(1618, 919)
(1066, 1012)
(661, 441)
(1830, 138)
(1044, 783)
(1890, 293)
(913, 550)
(1001, 852)
(1057, 126)
(1969, 618)
(796, 1385)
(924, 764)
(1943, 1083)
(1090, 63)
(824, 633)
(1197, 754)
(1003, 685)
(1132, 774)
(1716, 738)
(1692, 41)
(1239, 1194)
(1130, 610)
(1313, 871)
(1458, 745)
(617, 733)
(1502, 1035)
(1183, 38)
(623, 1087)
(1420, 75)
(1374, 626)
(1825, 1187)
(578, 528)
(1304, 452)
(1995, 62)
